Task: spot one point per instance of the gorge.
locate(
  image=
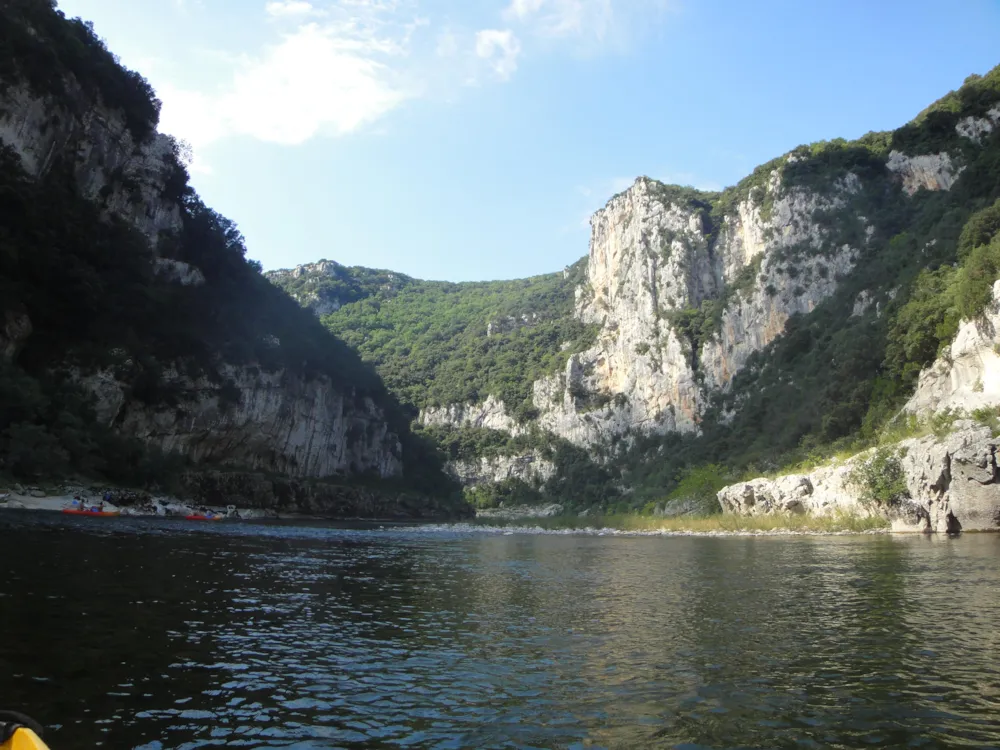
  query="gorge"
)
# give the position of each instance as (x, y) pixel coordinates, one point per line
(706, 339)
(744, 330)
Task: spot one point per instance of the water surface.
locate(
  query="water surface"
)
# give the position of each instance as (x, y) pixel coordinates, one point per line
(158, 634)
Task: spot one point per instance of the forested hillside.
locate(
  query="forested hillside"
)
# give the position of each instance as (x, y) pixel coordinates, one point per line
(787, 317)
(437, 343)
(128, 303)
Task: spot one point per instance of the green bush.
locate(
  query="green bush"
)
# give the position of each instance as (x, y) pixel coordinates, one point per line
(880, 478)
(974, 287)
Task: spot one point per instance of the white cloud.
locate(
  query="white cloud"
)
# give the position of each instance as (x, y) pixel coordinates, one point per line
(500, 49)
(561, 18)
(331, 79)
(285, 8)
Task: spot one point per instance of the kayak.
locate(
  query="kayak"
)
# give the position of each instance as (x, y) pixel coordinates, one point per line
(203, 518)
(102, 513)
(24, 739)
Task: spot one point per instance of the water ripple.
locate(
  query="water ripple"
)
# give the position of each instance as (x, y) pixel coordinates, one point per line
(154, 635)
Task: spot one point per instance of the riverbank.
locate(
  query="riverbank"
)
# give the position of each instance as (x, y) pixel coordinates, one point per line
(124, 502)
(713, 525)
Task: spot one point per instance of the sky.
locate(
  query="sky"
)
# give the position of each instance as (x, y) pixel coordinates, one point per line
(472, 139)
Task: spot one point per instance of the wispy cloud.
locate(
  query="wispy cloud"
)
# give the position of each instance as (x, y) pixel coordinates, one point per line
(289, 8)
(333, 67)
(500, 49)
(592, 23)
(561, 18)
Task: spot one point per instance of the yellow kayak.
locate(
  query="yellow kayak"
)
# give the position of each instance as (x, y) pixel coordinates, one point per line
(16, 734)
(24, 739)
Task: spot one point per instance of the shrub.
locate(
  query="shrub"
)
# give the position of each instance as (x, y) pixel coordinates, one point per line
(880, 478)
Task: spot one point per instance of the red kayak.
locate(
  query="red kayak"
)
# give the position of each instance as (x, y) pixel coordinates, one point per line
(102, 513)
(202, 518)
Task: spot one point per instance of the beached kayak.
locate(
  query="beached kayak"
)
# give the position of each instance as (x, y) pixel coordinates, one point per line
(24, 739)
(203, 518)
(102, 513)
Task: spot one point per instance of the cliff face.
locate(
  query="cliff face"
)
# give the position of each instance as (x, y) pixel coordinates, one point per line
(126, 178)
(275, 416)
(658, 254)
(276, 422)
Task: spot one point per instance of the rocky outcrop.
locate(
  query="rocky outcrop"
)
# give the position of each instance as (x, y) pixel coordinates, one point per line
(320, 303)
(953, 484)
(927, 171)
(491, 414)
(529, 468)
(648, 256)
(799, 267)
(966, 376)
(128, 178)
(975, 128)
(276, 422)
(655, 254)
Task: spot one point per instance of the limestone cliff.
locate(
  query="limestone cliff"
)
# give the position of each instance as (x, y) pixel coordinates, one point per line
(528, 467)
(966, 376)
(126, 176)
(658, 253)
(208, 359)
(276, 422)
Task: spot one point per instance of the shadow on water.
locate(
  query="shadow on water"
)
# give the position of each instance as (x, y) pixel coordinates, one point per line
(152, 634)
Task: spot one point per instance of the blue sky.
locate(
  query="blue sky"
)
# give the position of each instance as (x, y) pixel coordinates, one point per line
(471, 139)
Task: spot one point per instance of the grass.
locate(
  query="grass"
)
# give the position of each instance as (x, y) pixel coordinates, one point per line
(724, 523)
(903, 427)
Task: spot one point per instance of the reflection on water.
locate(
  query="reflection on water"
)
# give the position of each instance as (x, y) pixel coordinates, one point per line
(157, 634)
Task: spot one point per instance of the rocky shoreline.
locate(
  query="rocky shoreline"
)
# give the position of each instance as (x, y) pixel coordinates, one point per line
(122, 502)
(242, 495)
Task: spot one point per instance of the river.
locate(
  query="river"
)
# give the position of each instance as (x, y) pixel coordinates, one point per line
(156, 634)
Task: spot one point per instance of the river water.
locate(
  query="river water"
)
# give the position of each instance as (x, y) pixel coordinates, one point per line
(144, 633)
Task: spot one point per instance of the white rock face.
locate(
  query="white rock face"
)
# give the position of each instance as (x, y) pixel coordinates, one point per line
(126, 178)
(320, 306)
(653, 253)
(953, 482)
(491, 414)
(974, 128)
(528, 467)
(648, 257)
(967, 374)
(783, 287)
(273, 422)
(927, 171)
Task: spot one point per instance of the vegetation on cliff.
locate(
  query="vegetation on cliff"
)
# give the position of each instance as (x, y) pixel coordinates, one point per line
(437, 343)
(89, 286)
(833, 380)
